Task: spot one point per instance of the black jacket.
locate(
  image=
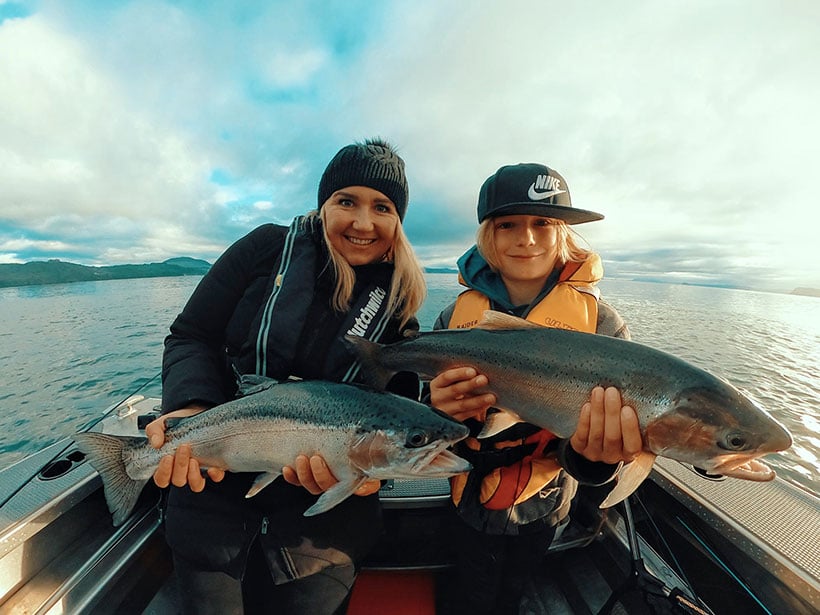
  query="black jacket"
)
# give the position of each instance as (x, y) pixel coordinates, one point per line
(206, 347)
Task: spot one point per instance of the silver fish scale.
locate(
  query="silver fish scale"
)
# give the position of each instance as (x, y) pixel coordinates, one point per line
(556, 367)
(267, 430)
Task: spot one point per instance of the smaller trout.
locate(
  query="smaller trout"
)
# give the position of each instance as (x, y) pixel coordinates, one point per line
(361, 434)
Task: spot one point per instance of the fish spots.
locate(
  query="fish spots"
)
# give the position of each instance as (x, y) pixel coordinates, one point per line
(705, 406)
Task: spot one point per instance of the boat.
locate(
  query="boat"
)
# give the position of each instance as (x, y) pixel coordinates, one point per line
(685, 542)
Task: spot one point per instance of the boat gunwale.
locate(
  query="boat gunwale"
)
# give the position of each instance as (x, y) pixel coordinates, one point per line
(802, 581)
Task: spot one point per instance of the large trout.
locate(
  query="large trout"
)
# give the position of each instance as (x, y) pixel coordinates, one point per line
(543, 376)
(361, 434)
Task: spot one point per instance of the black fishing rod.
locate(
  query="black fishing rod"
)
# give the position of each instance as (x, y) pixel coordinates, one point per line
(644, 581)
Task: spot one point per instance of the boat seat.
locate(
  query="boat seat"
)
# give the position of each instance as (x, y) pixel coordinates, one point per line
(398, 592)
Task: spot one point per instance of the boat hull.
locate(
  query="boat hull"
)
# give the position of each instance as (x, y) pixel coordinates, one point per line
(744, 547)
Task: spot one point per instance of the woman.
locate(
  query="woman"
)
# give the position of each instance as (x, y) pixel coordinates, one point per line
(278, 303)
(526, 263)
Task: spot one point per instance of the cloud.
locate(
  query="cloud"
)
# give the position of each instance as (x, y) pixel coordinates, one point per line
(158, 129)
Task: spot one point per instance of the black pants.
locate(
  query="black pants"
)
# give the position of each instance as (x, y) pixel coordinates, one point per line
(205, 592)
(491, 570)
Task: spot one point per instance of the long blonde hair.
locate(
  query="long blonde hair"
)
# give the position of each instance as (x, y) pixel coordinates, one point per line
(408, 288)
(567, 249)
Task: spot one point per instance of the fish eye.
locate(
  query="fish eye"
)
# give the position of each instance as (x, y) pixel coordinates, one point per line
(733, 442)
(417, 438)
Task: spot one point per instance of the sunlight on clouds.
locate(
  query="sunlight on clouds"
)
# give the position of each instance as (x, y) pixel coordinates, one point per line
(696, 142)
(74, 142)
(672, 131)
(293, 69)
(10, 248)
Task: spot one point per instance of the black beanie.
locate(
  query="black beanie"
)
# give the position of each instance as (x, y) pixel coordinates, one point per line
(374, 164)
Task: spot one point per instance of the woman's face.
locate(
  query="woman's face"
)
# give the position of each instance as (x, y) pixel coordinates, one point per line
(360, 223)
(526, 247)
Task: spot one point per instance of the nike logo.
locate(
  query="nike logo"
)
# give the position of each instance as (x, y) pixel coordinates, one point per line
(552, 185)
(540, 196)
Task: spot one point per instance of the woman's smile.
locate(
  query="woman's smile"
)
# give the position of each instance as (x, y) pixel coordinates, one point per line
(361, 224)
(359, 241)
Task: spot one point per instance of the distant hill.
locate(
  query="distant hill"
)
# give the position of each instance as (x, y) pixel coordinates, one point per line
(440, 270)
(808, 292)
(60, 272)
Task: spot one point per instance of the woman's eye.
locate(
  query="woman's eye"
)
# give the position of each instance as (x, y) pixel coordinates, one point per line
(383, 209)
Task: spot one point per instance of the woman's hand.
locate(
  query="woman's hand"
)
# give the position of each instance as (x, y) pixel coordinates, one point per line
(313, 474)
(454, 392)
(179, 469)
(607, 430)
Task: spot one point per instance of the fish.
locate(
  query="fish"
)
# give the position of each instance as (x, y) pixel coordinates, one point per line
(361, 433)
(542, 376)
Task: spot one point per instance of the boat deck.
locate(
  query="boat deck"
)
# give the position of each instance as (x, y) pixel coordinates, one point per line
(745, 547)
(776, 524)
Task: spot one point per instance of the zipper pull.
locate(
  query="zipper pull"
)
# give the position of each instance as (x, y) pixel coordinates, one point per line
(264, 525)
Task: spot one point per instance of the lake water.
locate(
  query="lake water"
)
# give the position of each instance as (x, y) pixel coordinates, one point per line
(69, 351)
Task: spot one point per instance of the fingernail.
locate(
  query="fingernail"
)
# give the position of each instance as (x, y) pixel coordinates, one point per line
(156, 442)
(626, 412)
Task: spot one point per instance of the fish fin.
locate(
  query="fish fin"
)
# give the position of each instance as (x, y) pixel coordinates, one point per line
(374, 374)
(499, 320)
(248, 384)
(105, 453)
(262, 481)
(335, 495)
(498, 422)
(630, 476)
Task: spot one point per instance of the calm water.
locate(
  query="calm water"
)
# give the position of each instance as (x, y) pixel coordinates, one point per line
(69, 351)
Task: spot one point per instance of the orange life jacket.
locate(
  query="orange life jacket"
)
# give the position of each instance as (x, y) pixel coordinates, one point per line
(571, 304)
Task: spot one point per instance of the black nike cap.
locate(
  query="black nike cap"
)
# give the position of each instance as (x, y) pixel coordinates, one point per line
(531, 189)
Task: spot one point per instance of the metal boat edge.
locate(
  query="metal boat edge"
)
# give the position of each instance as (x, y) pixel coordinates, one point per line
(743, 547)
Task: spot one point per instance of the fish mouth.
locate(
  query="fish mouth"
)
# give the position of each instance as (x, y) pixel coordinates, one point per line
(447, 462)
(378, 455)
(440, 461)
(750, 469)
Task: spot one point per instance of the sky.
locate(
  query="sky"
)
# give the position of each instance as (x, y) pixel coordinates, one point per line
(133, 132)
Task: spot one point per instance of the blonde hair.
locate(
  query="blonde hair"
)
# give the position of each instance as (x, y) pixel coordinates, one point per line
(568, 249)
(408, 288)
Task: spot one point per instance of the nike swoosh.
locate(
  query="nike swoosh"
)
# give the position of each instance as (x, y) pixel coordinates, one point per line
(540, 196)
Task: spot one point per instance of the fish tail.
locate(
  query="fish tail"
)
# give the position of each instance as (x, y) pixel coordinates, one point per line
(369, 354)
(105, 453)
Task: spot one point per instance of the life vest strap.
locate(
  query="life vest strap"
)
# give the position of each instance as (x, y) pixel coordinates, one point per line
(484, 462)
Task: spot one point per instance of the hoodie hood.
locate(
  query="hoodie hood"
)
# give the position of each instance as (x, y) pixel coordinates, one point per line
(475, 273)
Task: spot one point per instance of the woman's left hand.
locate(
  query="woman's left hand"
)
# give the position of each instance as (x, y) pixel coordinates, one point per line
(607, 430)
(313, 474)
